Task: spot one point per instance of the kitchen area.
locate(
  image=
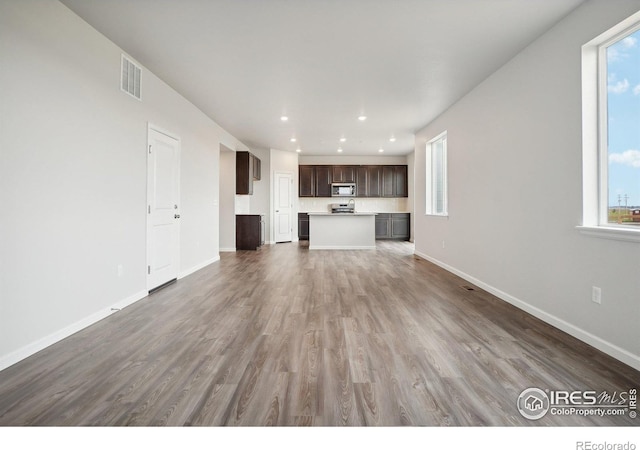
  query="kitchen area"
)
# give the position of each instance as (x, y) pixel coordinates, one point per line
(337, 202)
(349, 206)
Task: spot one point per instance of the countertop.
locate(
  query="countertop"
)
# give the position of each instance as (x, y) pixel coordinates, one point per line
(357, 213)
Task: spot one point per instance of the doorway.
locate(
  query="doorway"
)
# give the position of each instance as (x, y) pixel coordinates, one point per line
(283, 186)
(163, 211)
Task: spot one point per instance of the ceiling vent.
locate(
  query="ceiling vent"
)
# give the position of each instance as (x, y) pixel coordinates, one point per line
(130, 78)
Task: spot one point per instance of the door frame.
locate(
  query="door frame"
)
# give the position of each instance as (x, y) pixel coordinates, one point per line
(152, 127)
(294, 236)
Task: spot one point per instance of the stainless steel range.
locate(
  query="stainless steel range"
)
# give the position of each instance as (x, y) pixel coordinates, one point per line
(339, 208)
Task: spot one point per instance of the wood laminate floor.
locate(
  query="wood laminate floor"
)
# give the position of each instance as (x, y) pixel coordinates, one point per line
(288, 336)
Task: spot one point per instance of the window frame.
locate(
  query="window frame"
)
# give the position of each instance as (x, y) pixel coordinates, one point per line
(595, 154)
(430, 185)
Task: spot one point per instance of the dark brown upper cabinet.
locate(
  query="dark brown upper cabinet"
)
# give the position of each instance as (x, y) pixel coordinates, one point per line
(388, 181)
(371, 181)
(401, 182)
(248, 169)
(306, 181)
(374, 181)
(394, 181)
(323, 181)
(368, 180)
(362, 181)
(344, 174)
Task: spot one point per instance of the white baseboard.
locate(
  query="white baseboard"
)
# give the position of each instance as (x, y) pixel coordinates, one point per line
(40, 344)
(228, 249)
(607, 347)
(198, 267)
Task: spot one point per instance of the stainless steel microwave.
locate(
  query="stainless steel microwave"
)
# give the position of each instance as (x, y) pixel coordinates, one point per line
(343, 189)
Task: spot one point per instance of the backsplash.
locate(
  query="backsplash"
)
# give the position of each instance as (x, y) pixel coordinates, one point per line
(362, 204)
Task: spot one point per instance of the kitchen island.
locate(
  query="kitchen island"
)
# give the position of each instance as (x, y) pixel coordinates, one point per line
(342, 231)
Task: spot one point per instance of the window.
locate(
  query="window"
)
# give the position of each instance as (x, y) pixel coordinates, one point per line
(436, 170)
(620, 126)
(611, 132)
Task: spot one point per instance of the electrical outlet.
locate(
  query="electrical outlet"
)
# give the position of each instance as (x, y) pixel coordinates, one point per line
(442, 244)
(596, 295)
(120, 270)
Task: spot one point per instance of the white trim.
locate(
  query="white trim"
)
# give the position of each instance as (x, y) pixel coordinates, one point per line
(227, 249)
(292, 212)
(197, 267)
(607, 347)
(615, 233)
(152, 127)
(33, 348)
(595, 203)
(438, 137)
(590, 136)
(430, 191)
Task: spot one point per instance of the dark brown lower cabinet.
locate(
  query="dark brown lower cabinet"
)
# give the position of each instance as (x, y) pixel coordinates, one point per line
(383, 226)
(393, 226)
(400, 224)
(303, 226)
(249, 231)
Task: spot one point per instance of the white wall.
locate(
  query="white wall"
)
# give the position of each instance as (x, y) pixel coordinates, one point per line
(411, 169)
(73, 177)
(515, 195)
(227, 199)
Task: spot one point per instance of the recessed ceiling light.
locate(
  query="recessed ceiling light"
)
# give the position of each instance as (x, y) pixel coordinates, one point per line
(392, 139)
(298, 150)
(342, 139)
(381, 150)
(292, 139)
(339, 150)
(362, 118)
(284, 118)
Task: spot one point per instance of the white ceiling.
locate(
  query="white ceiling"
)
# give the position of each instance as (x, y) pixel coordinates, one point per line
(323, 63)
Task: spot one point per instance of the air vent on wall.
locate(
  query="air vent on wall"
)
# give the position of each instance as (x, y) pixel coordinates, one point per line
(130, 78)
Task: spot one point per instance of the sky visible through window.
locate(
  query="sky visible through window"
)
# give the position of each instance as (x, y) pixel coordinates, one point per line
(623, 86)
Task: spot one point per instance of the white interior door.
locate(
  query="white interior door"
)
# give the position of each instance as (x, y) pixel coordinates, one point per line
(283, 206)
(163, 212)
